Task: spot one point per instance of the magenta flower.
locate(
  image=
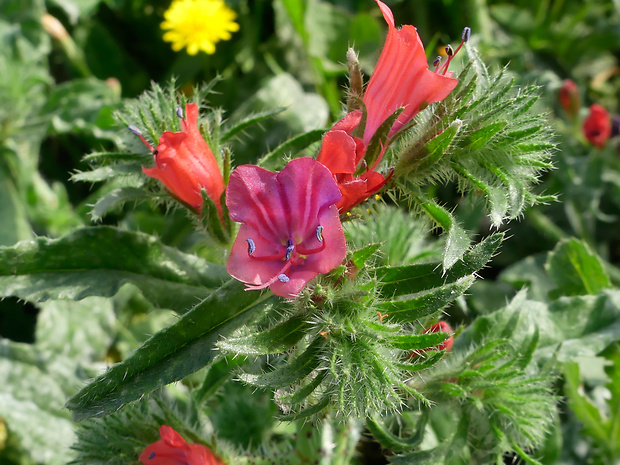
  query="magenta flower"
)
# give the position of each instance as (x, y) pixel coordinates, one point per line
(291, 230)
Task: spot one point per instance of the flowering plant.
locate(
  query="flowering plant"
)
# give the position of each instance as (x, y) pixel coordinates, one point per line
(257, 273)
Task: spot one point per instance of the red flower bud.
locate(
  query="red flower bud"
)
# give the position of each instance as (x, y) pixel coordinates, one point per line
(185, 163)
(172, 449)
(440, 327)
(569, 98)
(597, 126)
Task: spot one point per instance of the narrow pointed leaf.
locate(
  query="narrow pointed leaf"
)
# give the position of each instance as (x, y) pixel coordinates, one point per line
(275, 340)
(116, 198)
(411, 279)
(276, 159)
(97, 261)
(245, 123)
(417, 341)
(171, 354)
(411, 310)
(291, 372)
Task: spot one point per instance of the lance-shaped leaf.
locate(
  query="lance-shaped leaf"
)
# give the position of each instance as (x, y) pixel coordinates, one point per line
(97, 261)
(256, 118)
(417, 341)
(276, 158)
(393, 442)
(411, 310)
(419, 159)
(171, 354)
(411, 279)
(275, 340)
(117, 198)
(576, 269)
(290, 373)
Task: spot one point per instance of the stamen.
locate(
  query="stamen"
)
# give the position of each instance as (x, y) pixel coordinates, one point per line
(319, 233)
(152, 455)
(303, 251)
(180, 112)
(283, 278)
(135, 130)
(452, 53)
(251, 246)
(253, 287)
(138, 133)
(437, 62)
(290, 246)
(465, 35)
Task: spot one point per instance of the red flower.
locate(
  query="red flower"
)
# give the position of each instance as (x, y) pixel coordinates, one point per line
(401, 79)
(185, 163)
(597, 126)
(291, 230)
(172, 449)
(342, 154)
(569, 98)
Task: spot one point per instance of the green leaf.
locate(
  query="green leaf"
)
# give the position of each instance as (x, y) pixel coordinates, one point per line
(34, 384)
(116, 198)
(276, 158)
(457, 241)
(421, 159)
(14, 226)
(576, 269)
(392, 442)
(360, 256)
(249, 121)
(417, 341)
(97, 261)
(275, 340)
(585, 410)
(411, 279)
(411, 310)
(171, 354)
(290, 372)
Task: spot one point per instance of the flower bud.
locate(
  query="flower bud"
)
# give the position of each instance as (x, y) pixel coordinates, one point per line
(185, 164)
(597, 126)
(569, 98)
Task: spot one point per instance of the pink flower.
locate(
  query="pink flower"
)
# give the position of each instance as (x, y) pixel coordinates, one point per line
(185, 163)
(172, 449)
(597, 126)
(569, 98)
(291, 229)
(401, 79)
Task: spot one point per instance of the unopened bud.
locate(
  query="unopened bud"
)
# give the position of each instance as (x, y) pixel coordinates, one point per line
(54, 27)
(356, 82)
(569, 98)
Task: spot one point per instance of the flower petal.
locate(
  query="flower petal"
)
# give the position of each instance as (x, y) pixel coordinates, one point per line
(338, 152)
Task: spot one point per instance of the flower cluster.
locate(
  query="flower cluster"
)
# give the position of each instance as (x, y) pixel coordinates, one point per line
(290, 227)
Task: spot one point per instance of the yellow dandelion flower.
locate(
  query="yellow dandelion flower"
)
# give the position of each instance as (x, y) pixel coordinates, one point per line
(198, 24)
